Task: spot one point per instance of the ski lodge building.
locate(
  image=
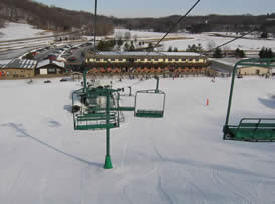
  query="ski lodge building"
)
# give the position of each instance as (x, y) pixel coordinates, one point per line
(18, 68)
(147, 62)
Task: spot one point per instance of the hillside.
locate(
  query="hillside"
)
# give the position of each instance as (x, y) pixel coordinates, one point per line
(50, 18)
(196, 24)
(59, 19)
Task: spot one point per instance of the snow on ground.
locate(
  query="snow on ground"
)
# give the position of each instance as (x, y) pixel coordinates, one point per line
(4, 61)
(178, 159)
(136, 33)
(209, 41)
(14, 31)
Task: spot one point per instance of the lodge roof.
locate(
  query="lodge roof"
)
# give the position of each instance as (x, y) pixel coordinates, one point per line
(21, 64)
(151, 54)
(47, 62)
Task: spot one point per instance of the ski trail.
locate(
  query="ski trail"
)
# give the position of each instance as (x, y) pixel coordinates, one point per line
(42, 187)
(83, 179)
(196, 188)
(125, 195)
(160, 187)
(243, 197)
(19, 181)
(124, 154)
(162, 192)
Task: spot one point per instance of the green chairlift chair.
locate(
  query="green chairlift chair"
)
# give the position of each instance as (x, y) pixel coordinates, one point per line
(92, 113)
(150, 112)
(250, 129)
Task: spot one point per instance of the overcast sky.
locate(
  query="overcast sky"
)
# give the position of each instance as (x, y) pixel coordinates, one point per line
(157, 8)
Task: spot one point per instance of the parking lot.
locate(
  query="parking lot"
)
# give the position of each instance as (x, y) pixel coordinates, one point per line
(70, 53)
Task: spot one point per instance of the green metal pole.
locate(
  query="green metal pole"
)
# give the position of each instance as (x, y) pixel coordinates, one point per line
(84, 80)
(130, 91)
(231, 94)
(157, 88)
(108, 161)
(95, 15)
(118, 112)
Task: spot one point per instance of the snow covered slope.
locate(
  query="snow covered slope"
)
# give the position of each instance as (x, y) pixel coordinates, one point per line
(207, 40)
(14, 31)
(178, 159)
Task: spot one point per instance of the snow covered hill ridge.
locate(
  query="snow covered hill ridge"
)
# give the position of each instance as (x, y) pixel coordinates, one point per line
(14, 31)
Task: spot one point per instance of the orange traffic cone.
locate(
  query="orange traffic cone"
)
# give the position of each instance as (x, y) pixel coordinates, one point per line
(207, 102)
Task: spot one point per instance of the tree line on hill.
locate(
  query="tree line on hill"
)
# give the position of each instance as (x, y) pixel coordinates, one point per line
(51, 18)
(263, 53)
(59, 19)
(197, 24)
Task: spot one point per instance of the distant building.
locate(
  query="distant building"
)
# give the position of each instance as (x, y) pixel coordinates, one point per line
(49, 67)
(254, 71)
(18, 68)
(147, 62)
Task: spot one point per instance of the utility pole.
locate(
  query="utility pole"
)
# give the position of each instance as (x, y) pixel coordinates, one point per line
(95, 15)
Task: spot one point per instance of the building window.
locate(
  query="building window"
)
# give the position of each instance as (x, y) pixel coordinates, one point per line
(51, 70)
(131, 60)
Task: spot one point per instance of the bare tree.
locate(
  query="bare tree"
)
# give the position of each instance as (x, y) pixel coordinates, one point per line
(127, 35)
(211, 45)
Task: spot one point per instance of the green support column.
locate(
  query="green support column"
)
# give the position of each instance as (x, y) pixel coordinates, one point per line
(95, 15)
(231, 94)
(84, 80)
(108, 161)
(130, 88)
(157, 88)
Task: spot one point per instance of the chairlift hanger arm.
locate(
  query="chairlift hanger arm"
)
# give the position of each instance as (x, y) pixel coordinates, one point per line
(228, 128)
(251, 62)
(256, 62)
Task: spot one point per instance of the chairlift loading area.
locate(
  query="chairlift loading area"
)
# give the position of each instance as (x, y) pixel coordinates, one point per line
(250, 129)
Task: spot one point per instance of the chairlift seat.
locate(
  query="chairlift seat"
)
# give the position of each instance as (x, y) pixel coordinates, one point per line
(149, 113)
(94, 126)
(263, 130)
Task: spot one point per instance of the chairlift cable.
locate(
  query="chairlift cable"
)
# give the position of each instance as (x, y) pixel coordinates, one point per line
(232, 40)
(175, 24)
(95, 18)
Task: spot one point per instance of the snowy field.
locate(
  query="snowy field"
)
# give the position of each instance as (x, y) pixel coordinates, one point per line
(207, 40)
(138, 34)
(13, 31)
(16, 31)
(178, 159)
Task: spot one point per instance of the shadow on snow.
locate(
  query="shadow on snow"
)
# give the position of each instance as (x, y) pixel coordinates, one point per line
(19, 129)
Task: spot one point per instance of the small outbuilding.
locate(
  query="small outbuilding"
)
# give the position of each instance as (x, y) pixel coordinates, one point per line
(254, 71)
(49, 67)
